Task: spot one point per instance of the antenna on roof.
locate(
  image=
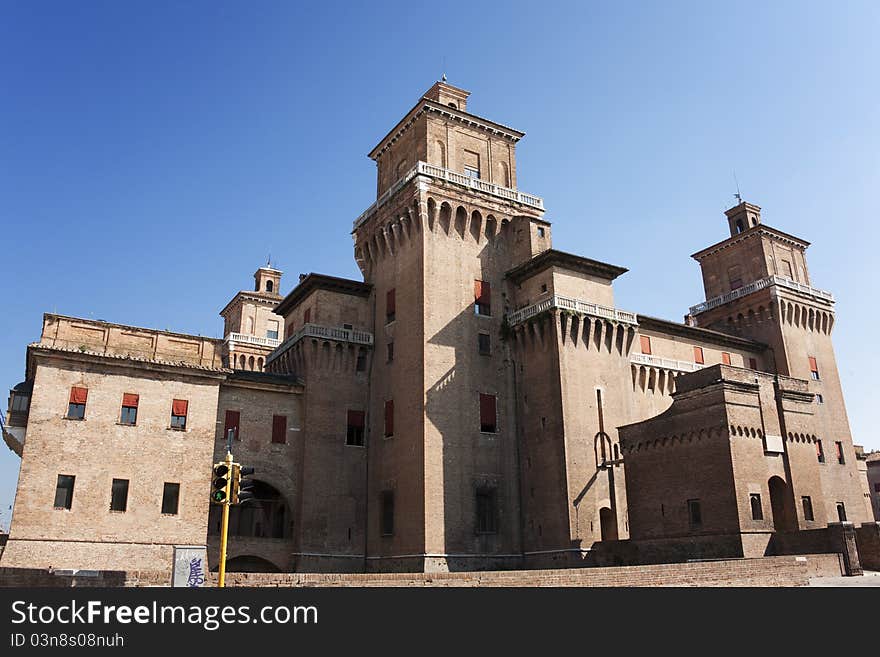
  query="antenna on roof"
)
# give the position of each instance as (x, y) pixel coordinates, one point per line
(269, 261)
(737, 196)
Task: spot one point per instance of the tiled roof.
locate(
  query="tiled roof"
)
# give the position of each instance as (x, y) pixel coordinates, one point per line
(38, 346)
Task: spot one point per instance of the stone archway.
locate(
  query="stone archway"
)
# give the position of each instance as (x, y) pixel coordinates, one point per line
(780, 505)
(607, 524)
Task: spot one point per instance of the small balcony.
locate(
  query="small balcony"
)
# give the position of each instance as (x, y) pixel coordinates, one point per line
(665, 363)
(574, 305)
(338, 333)
(253, 339)
(760, 284)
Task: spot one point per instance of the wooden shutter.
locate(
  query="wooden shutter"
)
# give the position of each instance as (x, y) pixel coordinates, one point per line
(482, 292)
(179, 407)
(389, 417)
(79, 395)
(819, 448)
(753, 364)
(487, 410)
(232, 422)
(698, 355)
(725, 358)
(646, 344)
(390, 302)
(813, 366)
(307, 316)
(356, 419)
(128, 399)
(279, 428)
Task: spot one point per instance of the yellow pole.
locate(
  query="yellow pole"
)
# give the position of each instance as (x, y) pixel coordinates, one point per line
(224, 528)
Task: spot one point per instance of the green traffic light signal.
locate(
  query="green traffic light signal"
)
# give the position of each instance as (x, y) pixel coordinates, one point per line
(220, 483)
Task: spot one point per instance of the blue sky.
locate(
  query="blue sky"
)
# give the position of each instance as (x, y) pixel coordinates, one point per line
(153, 154)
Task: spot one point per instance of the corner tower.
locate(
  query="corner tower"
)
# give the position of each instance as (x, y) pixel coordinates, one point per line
(447, 223)
(758, 286)
(251, 329)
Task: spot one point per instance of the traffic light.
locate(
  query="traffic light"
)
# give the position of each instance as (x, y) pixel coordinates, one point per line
(241, 488)
(220, 483)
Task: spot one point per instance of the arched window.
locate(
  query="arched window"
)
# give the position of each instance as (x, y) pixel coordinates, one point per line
(251, 363)
(259, 364)
(269, 286)
(739, 226)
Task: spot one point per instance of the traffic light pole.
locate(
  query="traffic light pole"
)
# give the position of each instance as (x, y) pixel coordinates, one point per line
(224, 528)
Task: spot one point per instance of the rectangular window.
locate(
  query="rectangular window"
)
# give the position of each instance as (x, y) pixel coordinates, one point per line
(734, 276)
(119, 495)
(307, 316)
(76, 410)
(488, 418)
(482, 298)
(841, 512)
(838, 446)
(179, 409)
(814, 369)
(698, 355)
(757, 510)
(541, 231)
(389, 418)
(20, 403)
(390, 351)
(877, 488)
(232, 423)
(387, 513)
(170, 498)
(820, 399)
(472, 172)
(355, 433)
(820, 451)
(786, 269)
(64, 491)
(390, 305)
(753, 363)
(279, 429)
(289, 330)
(645, 342)
(725, 358)
(807, 504)
(361, 365)
(487, 512)
(272, 329)
(129, 409)
(484, 344)
(695, 514)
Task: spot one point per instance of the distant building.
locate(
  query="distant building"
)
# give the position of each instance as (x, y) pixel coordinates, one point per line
(477, 401)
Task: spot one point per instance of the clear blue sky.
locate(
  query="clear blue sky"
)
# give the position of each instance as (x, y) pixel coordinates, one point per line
(153, 153)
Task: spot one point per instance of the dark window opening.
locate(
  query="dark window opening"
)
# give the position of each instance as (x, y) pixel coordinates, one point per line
(484, 342)
(839, 448)
(841, 512)
(279, 429)
(387, 513)
(389, 418)
(390, 306)
(541, 231)
(269, 286)
(119, 495)
(695, 514)
(390, 351)
(355, 432)
(487, 511)
(755, 502)
(170, 498)
(820, 451)
(482, 298)
(488, 416)
(361, 365)
(231, 423)
(807, 503)
(64, 491)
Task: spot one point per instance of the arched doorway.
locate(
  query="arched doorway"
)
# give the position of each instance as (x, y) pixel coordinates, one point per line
(607, 524)
(266, 515)
(780, 505)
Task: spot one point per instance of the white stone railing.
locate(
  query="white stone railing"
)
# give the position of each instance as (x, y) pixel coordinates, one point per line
(760, 284)
(574, 305)
(326, 332)
(441, 173)
(665, 363)
(252, 339)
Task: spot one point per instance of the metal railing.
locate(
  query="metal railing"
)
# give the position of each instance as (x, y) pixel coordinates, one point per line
(441, 173)
(575, 305)
(665, 363)
(253, 339)
(760, 284)
(326, 332)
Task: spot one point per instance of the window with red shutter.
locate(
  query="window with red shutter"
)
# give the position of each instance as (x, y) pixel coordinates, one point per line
(482, 298)
(389, 417)
(725, 358)
(307, 316)
(838, 446)
(128, 415)
(814, 368)
(645, 343)
(179, 408)
(76, 409)
(232, 423)
(279, 429)
(355, 430)
(753, 364)
(698, 355)
(390, 306)
(488, 417)
(820, 453)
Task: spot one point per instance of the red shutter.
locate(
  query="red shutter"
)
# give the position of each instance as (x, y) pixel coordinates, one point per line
(390, 302)
(389, 417)
(232, 420)
(482, 292)
(646, 344)
(179, 406)
(698, 355)
(130, 400)
(356, 419)
(79, 395)
(813, 366)
(725, 358)
(307, 316)
(839, 449)
(279, 428)
(289, 330)
(487, 410)
(819, 448)
(753, 364)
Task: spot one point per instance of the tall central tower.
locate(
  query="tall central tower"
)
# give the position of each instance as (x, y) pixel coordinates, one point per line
(447, 224)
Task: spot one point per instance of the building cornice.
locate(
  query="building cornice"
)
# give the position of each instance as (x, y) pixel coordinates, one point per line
(265, 381)
(698, 333)
(569, 261)
(266, 298)
(425, 105)
(321, 282)
(761, 230)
